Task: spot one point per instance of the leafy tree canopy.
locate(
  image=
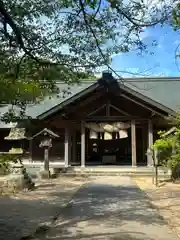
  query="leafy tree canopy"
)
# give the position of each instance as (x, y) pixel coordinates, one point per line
(176, 16)
(42, 41)
(176, 24)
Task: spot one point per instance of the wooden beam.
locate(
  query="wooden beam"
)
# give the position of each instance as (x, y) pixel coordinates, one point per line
(108, 109)
(97, 110)
(142, 105)
(133, 142)
(82, 103)
(108, 106)
(114, 118)
(119, 110)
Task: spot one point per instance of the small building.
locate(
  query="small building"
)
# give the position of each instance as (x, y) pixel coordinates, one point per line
(104, 122)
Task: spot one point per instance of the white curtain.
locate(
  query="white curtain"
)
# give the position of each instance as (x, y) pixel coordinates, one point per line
(122, 125)
(123, 134)
(93, 135)
(107, 136)
(108, 129)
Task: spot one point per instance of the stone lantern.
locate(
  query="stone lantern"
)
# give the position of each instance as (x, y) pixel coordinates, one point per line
(19, 177)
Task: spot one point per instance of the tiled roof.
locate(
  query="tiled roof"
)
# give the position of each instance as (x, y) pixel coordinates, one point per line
(165, 91)
(48, 103)
(16, 134)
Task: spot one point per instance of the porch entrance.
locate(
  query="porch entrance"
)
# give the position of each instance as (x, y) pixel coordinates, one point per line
(114, 151)
(117, 151)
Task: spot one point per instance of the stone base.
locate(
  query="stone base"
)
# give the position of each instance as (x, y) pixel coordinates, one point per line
(18, 179)
(18, 182)
(15, 181)
(44, 174)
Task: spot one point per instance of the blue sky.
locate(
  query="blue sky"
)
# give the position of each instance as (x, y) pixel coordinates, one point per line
(161, 63)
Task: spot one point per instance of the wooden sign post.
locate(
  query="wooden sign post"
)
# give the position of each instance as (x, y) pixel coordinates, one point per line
(46, 144)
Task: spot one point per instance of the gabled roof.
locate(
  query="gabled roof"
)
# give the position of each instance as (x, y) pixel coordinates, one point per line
(69, 100)
(121, 85)
(46, 131)
(147, 99)
(163, 91)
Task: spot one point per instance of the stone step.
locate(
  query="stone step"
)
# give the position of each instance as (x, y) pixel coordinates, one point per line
(116, 172)
(102, 171)
(110, 174)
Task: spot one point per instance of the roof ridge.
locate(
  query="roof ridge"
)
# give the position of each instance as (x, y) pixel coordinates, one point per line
(134, 79)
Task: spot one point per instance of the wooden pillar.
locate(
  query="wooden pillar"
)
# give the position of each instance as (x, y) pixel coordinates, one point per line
(69, 148)
(133, 142)
(66, 147)
(144, 143)
(83, 146)
(46, 161)
(74, 147)
(150, 143)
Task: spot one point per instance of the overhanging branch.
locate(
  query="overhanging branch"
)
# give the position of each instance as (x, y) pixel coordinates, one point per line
(88, 26)
(136, 22)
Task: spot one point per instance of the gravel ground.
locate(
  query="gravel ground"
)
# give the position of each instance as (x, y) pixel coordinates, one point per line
(166, 198)
(22, 213)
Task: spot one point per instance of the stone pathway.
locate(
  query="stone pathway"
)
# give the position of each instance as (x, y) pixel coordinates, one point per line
(110, 208)
(21, 214)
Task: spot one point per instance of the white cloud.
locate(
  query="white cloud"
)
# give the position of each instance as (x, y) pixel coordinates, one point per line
(116, 54)
(160, 46)
(176, 42)
(144, 34)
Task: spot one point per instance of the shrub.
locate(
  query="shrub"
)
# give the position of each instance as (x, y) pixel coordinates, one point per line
(168, 148)
(5, 162)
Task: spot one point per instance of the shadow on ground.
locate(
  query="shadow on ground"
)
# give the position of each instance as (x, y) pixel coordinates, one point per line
(97, 212)
(22, 214)
(109, 212)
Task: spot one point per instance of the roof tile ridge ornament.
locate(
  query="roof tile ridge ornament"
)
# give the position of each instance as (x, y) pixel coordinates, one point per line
(106, 78)
(109, 82)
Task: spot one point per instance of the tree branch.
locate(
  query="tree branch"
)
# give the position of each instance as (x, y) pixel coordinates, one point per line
(177, 56)
(96, 40)
(18, 66)
(135, 21)
(98, 8)
(15, 29)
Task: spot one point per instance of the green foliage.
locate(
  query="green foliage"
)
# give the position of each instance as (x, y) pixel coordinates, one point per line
(168, 146)
(176, 16)
(5, 162)
(163, 145)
